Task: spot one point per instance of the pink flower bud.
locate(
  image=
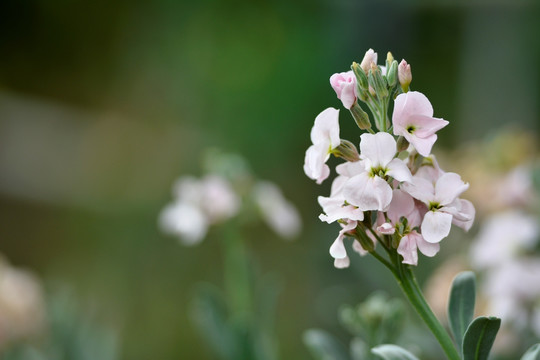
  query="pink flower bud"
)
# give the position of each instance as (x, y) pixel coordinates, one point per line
(344, 84)
(404, 74)
(369, 57)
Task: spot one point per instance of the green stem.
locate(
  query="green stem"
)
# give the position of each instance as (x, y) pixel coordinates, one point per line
(237, 274)
(384, 114)
(408, 284)
(412, 291)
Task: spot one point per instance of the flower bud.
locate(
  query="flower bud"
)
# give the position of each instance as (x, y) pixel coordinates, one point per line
(361, 78)
(377, 81)
(402, 144)
(364, 239)
(369, 57)
(360, 117)
(404, 75)
(346, 150)
(389, 58)
(392, 74)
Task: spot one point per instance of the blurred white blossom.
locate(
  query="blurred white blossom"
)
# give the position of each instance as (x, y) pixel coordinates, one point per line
(279, 213)
(227, 190)
(502, 237)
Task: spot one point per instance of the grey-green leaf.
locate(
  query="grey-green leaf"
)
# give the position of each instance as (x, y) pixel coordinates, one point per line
(479, 338)
(461, 304)
(324, 346)
(533, 353)
(392, 352)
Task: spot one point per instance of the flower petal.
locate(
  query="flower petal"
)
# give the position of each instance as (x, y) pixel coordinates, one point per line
(379, 148)
(426, 125)
(407, 249)
(420, 188)
(326, 129)
(358, 248)
(386, 229)
(368, 193)
(449, 187)
(342, 263)
(408, 104)
(315, 163)
(422, 145)
(436, 226)
(426, 248)
(398, 169)
(335, 209)
(350, 169)
(402, 205)
(467, 211)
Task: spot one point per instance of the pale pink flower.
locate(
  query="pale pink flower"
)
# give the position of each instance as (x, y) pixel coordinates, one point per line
(344, 84)
(369, 190)
(413, 119)
(403, 205)
(325, 138)
(443, 204)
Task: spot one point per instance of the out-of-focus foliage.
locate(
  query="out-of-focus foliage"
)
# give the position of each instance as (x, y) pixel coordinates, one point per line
(69, 335)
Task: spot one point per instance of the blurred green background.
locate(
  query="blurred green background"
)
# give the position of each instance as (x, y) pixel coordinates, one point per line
(104, 103)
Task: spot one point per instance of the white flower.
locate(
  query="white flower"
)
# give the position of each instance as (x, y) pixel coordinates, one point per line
(325, 138)
(335, 206)
(197, 205)
(278, 212)
(512, 289)
(212, 194)
(370, 190)
(443, 204)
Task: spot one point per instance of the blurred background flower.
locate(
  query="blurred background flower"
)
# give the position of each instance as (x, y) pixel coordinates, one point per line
(103, 104)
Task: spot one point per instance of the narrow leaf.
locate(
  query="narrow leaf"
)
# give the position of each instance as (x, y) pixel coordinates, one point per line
(461, 304)
(324, 346)
(479, 338)
(392, 352)
(533, 353)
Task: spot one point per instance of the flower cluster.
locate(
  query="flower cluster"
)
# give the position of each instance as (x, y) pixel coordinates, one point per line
(222, 194)
(392, 191)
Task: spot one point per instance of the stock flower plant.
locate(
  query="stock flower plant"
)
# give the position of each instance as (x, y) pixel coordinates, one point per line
(393, 199)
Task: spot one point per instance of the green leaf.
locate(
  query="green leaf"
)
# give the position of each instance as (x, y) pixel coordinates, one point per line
(324, 346)
(461, 304)
(533, 353)
(479, 338)
(392, 352)
(209, 312)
